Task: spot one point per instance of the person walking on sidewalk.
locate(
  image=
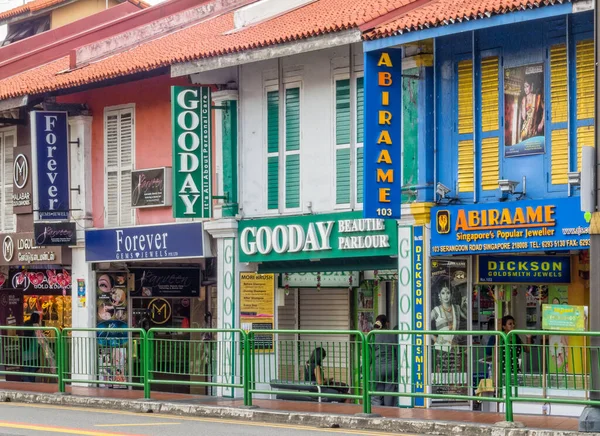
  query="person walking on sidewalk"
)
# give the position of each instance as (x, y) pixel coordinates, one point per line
(384, 364)
(30, 348)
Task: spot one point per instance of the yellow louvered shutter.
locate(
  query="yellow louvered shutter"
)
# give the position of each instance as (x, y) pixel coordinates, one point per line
(465, 166)
(560, 156)
(465, 97)
(585, 80)
(558, 83)
(489, 94)
(465, 126)
(585, 136)
(490, 164)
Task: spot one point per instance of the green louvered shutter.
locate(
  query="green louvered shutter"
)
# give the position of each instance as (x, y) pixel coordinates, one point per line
(342, 141)
(273, 150)
(360, 120)
(292, 148)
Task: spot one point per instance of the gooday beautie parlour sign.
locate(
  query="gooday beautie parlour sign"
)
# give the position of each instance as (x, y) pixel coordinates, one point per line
(324, 236)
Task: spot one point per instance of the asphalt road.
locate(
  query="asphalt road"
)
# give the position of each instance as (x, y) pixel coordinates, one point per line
(17, 419)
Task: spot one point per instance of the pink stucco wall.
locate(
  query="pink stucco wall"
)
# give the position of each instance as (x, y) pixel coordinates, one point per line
(152, 134)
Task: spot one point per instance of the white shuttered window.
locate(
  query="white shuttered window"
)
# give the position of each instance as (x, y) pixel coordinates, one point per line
(7, 145)
(119, 141)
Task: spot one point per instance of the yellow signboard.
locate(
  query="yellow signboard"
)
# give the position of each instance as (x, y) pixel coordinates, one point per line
(257, 307)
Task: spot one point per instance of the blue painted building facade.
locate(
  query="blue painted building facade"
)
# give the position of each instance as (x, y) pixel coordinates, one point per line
(495, 114)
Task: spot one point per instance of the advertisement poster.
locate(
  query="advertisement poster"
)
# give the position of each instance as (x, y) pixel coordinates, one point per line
(257, 307)
(112, 364)
(166, 282)
(81, 293)
(148, 187)
(111, 308)
(11, 314)
(42, 281)
(562, 317)
(449, 299)
(524, 128)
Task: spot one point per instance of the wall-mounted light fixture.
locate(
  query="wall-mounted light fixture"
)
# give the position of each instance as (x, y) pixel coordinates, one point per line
(574, 178)
(442, 192)
(508, 187)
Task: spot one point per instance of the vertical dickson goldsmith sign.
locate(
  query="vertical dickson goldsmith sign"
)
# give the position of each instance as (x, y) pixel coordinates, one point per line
(192, 152)
(50, 155)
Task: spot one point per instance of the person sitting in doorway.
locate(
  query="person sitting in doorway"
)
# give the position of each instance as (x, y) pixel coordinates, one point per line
(314, 373)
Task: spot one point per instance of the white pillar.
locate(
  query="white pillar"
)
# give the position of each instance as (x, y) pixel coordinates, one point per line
(228, 268)
(84, 315)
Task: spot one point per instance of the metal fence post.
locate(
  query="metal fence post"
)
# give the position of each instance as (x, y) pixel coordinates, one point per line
(508, 374)
(61, 361)
(246, 371)
(365, 372)
(146, 350)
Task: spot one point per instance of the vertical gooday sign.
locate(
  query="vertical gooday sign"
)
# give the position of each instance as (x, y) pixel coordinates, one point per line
(50, 156)
(192, 152)
(383, 129)
(405, 308)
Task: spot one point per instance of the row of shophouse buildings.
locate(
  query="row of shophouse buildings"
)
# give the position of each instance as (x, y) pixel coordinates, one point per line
(199, 164)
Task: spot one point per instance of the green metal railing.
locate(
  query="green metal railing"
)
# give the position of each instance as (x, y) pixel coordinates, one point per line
(189, 357)
(320, 365)
(451, 357)
(288, 363)
(103, 357)
(549, 370)
(35, 352)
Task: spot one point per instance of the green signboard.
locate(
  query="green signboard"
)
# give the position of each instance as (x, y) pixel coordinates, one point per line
(327, 236)
(561, 317)
(192, 152)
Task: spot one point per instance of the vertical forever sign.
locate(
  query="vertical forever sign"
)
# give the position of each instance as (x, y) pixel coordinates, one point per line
(383, 133)
(192, 152)
(50, 155)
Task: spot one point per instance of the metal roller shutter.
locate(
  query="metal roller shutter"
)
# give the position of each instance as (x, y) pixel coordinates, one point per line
(328, 309)
(287, 349)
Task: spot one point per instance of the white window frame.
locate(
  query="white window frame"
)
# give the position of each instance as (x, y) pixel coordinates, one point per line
(290, 83)
(354, 145)
(107, 110)
(11, 131)
(270, 88)
(358, 74)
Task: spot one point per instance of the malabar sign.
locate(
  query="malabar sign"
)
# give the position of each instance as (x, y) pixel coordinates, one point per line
(192, 152)
(50, 152)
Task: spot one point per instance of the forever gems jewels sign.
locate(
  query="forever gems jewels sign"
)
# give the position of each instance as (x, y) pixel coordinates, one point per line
(50, 152)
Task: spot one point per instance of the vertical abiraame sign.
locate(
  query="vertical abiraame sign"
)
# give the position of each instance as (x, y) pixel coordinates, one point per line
(192, 147)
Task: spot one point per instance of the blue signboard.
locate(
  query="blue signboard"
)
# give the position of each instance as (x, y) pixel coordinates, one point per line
(519, 226)
(167, 241)
(383, 134)
(524, 269)
(50, 155)
(418, 368)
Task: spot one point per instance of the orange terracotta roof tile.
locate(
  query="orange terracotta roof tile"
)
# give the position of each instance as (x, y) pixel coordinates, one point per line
(215, 37)
(38, 5)
(445, 12)
(209, 38)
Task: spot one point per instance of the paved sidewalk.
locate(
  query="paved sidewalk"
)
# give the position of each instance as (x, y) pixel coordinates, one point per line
(471, 422)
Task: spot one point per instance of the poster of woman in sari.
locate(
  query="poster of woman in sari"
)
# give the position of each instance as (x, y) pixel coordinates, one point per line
(524, 129)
